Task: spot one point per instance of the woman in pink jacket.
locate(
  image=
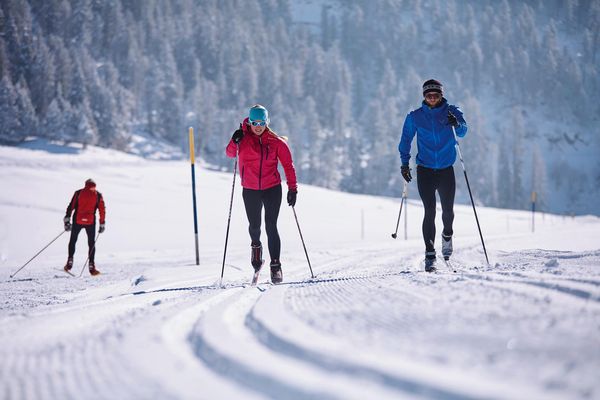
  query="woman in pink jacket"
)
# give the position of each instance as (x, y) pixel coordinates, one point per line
(260, 150)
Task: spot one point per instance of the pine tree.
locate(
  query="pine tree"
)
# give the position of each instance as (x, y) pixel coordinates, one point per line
(538, 177)
(505, 175)
(28, 121)
(517, 132)
(10, 126)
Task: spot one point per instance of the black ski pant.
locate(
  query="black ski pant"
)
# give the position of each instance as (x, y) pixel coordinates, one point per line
(91, 231)
(429, 180)
(254, 200)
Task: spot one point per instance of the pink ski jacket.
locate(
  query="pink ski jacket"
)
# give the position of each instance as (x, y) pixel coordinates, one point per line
(258, 157)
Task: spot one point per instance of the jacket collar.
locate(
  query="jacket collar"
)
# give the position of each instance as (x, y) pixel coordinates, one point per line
(439, 108)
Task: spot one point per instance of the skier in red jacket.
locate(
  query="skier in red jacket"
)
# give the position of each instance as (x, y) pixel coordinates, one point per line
(85, 202)
(260, 149)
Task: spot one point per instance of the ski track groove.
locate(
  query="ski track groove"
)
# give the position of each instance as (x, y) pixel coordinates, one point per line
(554, 288)
(327, 296)
(236, 370)
(323, 293)
(329, 363)
(82, 366)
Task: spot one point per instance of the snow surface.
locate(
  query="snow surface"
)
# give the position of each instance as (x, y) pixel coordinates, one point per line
(370, 325)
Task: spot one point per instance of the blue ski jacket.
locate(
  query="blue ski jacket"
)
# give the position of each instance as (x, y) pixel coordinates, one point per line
(435, 139)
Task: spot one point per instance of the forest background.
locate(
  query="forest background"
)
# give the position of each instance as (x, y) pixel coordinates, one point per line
(337, 76)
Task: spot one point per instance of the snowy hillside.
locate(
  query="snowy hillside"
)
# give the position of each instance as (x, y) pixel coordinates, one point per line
(370, 325)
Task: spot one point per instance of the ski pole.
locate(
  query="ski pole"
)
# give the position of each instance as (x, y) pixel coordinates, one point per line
(303, 245)
(470, 194)
(237, 154)
(38, 253)
(395, 234)
(89, 254)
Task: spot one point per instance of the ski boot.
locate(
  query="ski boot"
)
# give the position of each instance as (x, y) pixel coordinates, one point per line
(69, 265)
(93, 270)
(446, 246)
(276, 273)
(257, 260)
(430, 261)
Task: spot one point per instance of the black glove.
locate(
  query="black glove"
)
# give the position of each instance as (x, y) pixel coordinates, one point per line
(452, 119)
(405, 170)
(67, 222)
(291, 197)
(102, 228)
(237, 135)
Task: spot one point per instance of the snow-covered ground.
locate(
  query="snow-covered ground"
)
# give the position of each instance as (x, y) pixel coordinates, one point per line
(370, 325)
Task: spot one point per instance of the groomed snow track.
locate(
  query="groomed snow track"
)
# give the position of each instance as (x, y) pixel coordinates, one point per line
(380, 329)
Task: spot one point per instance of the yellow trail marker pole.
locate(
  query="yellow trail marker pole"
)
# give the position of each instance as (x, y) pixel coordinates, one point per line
(193, 161)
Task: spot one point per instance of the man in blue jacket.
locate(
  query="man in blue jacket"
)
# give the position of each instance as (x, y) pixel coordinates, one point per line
(436, 153)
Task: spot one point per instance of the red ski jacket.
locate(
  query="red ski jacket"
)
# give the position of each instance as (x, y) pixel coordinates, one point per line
(258, 159)
(85, 202)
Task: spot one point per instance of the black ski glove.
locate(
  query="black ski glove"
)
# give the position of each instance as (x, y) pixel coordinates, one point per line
(405, 170)
(452, 119)
(291, 197)
(67, 222)
(238, 135)
(102, 228)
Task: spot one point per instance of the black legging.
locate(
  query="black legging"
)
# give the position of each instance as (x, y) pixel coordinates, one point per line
(90, 230)
(429, 180)
(254, 201)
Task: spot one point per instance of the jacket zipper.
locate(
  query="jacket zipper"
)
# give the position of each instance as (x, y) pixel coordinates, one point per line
(260, 166)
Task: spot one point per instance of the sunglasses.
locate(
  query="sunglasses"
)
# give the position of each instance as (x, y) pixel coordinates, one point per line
(433, 96)
(258, 123)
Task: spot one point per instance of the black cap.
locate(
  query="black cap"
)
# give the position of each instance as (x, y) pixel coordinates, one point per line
(432, 85)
